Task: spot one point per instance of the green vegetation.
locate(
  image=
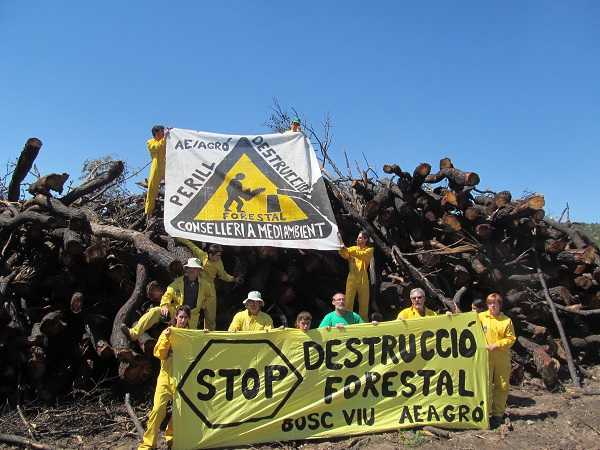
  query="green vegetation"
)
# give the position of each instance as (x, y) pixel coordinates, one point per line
(591, 229)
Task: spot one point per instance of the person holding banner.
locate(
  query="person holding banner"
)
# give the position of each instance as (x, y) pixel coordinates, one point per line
(303, 320)
(157, 148)
(213, 268)
(418, 308)
(295, 125)
(164, 386)
(500, 337)
(341, 316)
(359, 257)
(252, 318)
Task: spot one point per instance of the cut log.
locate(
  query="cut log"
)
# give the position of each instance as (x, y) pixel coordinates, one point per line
(73, 242)
(155, 253)
(484, 231)
(104, 350)
(56, 207)
(554, 246)
(115, 170)
(584, 282)
(546, 366)
(52, 324)
(585, 255)
(559, 294)
(118, 340)
(457, 179)
(24, 165)
(24, 217)
(419, 175)
(51, 182)
(502, 199)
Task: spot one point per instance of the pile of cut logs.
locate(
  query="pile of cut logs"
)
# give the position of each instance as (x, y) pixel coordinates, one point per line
(74, 267)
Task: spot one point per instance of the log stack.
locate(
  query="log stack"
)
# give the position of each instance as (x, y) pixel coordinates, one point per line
(74, 268)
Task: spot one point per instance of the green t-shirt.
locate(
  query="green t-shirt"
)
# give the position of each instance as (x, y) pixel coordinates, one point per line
(332, 319)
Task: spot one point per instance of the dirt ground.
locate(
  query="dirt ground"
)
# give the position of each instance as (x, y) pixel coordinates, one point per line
(540, 420)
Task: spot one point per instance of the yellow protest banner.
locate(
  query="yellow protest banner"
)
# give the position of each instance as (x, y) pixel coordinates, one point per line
(243, 388)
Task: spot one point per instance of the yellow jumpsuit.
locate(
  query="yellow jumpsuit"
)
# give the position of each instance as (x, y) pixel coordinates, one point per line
(358, 278)
(500, 331)
(208, 294)
(412, 313)
(172, 298)
(145, 322)
(243, 321)
(158, 151)
(163, 393)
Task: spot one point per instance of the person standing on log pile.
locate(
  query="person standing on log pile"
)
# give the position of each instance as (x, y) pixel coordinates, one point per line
(154, 293)
(295, 126)
(418, 308)
(164, 386)
(157, 148)
(213, 268)
(185, 290)
(252, 318)
(341, 316)
(359, 257)
(500, 337)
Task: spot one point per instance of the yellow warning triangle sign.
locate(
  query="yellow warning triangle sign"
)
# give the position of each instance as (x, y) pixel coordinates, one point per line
(247, 194)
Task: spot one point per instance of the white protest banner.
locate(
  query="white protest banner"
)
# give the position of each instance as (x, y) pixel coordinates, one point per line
(247, 190)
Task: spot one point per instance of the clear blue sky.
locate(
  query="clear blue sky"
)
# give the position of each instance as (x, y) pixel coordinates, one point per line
(510, 89)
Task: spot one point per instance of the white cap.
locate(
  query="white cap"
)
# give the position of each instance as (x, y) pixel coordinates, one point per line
(193, 263)
(254, 295)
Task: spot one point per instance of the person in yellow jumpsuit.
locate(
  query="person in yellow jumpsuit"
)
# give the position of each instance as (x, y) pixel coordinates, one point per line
(154, 293)
(252, 318)
(500, 337)
(212, 268)
(359, 257)
(418, 308)
(157, 148)
(171, 299)
(164, 384)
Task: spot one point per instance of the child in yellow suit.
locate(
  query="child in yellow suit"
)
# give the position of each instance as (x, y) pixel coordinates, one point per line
(164, 384)
(213, 268)
(157, 148)
(500, 337)
(359, 257)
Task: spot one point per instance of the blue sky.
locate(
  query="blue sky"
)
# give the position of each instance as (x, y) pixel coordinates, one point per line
(508, 89)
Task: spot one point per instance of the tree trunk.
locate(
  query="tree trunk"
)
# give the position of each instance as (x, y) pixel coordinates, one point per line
(24, 164)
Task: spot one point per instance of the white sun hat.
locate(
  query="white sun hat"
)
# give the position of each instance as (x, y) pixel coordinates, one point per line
(193, 263)
(254, 295)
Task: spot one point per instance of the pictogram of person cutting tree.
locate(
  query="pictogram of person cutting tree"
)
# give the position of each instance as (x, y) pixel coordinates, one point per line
(236, 193)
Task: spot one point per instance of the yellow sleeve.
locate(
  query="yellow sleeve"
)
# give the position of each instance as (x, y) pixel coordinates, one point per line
(344, 252)
(364, 254)
(222, 274)
(196, 251)
(162, 347)
(269, 324)
(509, 337)
(168, 297)
(236, 323)
(155, 147)
(402, 315)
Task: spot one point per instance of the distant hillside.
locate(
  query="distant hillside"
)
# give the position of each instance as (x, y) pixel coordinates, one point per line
(591, 229)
